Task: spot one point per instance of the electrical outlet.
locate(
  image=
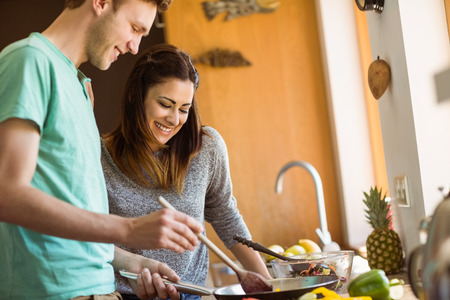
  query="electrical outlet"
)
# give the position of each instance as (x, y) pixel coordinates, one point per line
(401, 191)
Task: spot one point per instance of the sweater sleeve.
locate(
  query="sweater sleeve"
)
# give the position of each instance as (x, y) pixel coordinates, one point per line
(220, 205)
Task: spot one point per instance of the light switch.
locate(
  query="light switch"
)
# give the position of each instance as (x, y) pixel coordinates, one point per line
(401, 191)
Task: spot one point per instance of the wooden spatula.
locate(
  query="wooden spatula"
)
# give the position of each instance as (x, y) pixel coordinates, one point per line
(251, 282)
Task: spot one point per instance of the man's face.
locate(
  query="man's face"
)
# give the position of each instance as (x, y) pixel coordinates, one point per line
(118, 32)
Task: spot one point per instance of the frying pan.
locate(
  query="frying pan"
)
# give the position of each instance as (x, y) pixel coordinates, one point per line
(288, 287)
(283, 288)
(182, 287)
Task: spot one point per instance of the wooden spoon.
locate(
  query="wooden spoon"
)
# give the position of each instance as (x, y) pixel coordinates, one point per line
(251, 282)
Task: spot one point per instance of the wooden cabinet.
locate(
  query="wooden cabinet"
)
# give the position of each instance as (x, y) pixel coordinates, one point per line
(269, 113)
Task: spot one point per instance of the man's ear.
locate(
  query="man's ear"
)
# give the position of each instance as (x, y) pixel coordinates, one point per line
(99, 6)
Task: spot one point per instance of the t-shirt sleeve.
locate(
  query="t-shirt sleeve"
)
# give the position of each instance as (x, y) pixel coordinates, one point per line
(24, 88)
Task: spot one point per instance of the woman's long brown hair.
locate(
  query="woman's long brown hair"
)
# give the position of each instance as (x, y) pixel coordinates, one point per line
(130, 143)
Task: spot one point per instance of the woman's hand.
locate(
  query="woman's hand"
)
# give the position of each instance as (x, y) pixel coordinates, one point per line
(149, 284)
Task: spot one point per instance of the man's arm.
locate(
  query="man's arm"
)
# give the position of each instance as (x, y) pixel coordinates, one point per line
(26, 206)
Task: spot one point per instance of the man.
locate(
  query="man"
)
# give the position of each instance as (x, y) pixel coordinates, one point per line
(56, 235)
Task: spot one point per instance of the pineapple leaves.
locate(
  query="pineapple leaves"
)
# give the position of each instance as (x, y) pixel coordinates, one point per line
(377, 212)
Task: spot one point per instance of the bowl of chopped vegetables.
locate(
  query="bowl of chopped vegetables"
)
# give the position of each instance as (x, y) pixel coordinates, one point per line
(333, 263)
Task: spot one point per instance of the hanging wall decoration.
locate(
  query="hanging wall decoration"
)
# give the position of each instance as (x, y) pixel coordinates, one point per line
(222, 58)
(238, 8)
(379, 77)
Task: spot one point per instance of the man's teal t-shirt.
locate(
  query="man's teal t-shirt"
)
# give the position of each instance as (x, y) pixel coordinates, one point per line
(39, 83)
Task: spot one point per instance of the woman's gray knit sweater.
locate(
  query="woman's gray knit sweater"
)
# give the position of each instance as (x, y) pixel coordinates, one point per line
(207, 196)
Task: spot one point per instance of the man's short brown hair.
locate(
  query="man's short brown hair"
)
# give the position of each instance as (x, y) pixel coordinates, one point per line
(162, 5)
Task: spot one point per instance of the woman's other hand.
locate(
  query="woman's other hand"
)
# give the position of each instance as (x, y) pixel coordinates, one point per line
(150, 285)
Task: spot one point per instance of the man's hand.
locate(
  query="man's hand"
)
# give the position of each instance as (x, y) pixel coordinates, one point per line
(165, 228)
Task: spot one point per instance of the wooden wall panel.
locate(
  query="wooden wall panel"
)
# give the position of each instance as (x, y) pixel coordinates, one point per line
(447, 14)
(270, 113)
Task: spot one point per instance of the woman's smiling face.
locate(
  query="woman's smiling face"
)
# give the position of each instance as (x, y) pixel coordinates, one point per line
(167, 107)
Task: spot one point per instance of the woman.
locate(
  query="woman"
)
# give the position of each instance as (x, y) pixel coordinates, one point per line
(161, 148)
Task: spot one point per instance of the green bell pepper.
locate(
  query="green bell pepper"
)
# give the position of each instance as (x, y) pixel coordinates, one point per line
(373, 283)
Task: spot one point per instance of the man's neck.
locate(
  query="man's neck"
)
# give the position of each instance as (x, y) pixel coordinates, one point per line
(68, 34)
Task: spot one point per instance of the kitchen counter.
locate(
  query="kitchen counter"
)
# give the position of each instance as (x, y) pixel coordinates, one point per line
(409, 295)
(359, 268)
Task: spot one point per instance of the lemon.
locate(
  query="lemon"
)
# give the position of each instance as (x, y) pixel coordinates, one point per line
(287, 254)
(275, 248)
(309, 245)
(294, 250)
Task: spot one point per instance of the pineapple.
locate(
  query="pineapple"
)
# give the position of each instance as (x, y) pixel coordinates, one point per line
(384, 248)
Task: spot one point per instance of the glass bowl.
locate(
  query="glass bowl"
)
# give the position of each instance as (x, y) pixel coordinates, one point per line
(337, 263)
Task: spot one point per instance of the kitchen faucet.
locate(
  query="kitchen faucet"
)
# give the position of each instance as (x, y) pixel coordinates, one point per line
(322, 232)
